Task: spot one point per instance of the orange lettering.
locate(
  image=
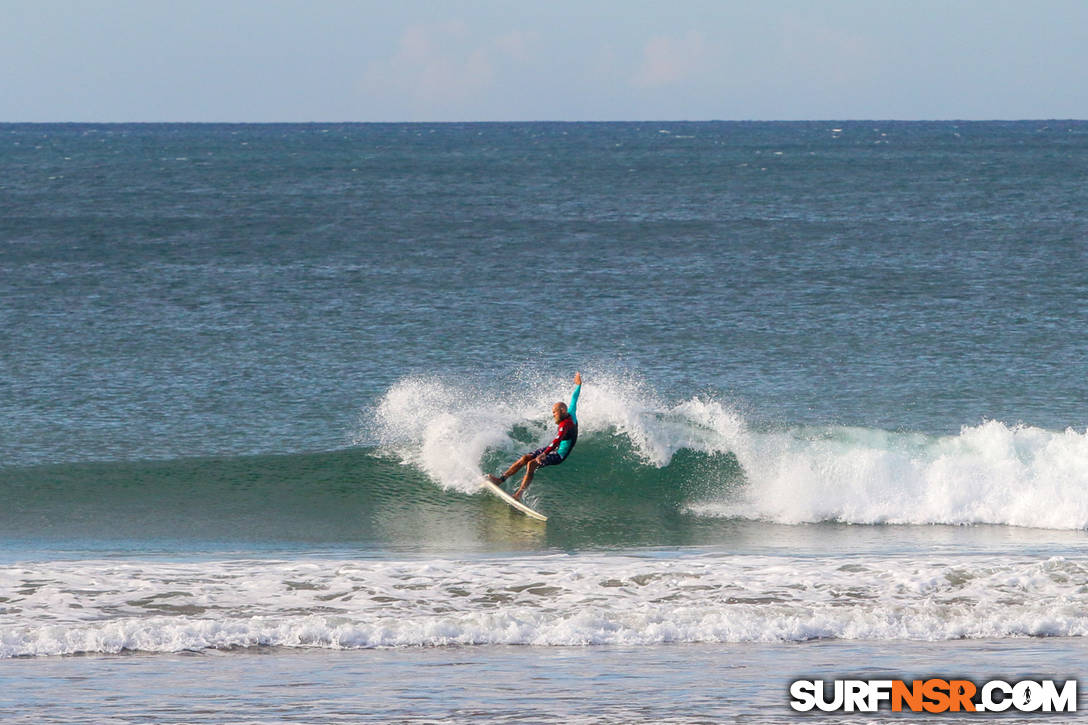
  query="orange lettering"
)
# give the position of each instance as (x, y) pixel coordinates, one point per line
(937, 692)
(961, 693)
(912, 695)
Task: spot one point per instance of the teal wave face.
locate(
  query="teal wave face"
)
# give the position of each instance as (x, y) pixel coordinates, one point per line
(303, 497)
(605, 477)
(601, 497)
(610, 493)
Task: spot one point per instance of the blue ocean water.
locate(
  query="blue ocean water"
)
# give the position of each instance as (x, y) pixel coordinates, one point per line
(250, 376)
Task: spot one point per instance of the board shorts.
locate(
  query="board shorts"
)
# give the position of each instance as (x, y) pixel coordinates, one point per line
(552, 459)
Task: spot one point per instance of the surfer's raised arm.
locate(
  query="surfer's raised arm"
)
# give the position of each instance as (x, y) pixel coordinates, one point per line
(572, 408)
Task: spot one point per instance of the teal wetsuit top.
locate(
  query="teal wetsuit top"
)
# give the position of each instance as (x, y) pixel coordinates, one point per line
(568, 440)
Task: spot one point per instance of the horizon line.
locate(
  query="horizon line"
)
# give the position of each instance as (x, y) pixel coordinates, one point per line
(553, 121)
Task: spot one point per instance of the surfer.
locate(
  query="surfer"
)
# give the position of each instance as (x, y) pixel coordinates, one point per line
(566, 417)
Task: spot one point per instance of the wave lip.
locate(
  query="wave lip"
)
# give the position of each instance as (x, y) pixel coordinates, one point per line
(87, 607)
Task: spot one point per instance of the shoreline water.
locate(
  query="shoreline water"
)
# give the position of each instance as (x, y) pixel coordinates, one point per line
(663, 683)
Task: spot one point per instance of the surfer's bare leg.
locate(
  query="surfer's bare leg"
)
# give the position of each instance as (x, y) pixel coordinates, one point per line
(530, 469)
(516, 466)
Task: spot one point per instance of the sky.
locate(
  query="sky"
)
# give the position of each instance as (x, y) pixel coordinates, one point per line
(531, 60)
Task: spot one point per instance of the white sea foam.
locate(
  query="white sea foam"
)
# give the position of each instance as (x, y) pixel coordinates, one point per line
(445, 430)
(991, 473)
(72, 607)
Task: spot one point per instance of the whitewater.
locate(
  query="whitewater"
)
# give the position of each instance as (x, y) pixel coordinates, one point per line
(63, 608)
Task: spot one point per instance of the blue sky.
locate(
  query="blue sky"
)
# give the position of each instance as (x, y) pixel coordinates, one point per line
(424, 60)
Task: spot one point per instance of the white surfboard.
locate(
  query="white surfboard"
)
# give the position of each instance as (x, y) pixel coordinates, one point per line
(514, 502)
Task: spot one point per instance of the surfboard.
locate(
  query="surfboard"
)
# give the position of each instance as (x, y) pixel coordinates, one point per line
(514, 502)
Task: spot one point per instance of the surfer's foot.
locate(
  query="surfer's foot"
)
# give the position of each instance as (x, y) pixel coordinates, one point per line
(497, 480)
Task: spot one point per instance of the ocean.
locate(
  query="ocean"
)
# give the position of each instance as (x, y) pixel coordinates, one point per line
(834, 420)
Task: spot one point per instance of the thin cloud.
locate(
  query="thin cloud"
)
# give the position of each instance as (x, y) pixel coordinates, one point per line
(517, 45)
(667, 60)
(434, 63)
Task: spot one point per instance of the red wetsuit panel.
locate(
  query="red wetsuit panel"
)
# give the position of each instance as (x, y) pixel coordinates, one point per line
(566, 426)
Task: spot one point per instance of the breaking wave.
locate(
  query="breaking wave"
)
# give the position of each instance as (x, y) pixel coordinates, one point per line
(991, 473)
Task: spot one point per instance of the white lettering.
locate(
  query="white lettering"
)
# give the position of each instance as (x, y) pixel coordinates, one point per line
(803, 693)
(1064, 701)
(988, 702)
(1027, 696)
(879, 691)
(836, 701)
(855, 697)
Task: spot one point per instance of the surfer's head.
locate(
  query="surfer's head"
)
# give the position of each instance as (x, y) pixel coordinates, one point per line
(559, 411)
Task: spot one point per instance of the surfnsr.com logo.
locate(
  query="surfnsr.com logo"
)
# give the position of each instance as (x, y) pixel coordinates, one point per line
(933, 695)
